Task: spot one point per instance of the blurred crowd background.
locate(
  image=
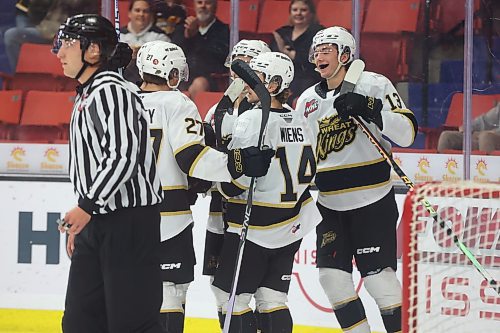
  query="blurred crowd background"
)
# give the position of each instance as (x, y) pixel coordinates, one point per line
(417, 44)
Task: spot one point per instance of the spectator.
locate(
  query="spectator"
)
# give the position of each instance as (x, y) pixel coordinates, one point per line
(139, 30)
(22, 18)
(294, 40)
(485, 133)
(44, 31)
(170, 17)
(206, 46)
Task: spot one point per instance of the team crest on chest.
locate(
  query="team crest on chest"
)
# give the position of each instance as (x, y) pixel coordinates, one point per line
(334, 134)
(311, 106)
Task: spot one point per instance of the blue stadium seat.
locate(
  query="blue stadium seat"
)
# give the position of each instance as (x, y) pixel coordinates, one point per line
(438, 102)
(453, 71)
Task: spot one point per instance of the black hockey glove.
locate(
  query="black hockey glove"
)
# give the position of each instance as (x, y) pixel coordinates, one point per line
(198, 185)
(209, 135)
(353, 104)
(251, 162)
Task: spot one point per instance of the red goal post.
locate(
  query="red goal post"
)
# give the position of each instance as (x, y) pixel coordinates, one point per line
(442, 291)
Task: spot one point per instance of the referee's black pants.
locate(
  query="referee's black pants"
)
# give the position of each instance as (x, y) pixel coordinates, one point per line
(114, 283)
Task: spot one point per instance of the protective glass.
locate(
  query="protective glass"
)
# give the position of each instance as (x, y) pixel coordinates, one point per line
(63, 40)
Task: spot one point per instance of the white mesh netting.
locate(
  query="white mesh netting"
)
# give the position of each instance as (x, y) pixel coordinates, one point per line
(443, 291)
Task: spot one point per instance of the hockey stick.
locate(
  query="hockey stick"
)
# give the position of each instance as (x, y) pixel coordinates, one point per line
(226, 105)
(250, 78)
(350, 82)
(117, 28)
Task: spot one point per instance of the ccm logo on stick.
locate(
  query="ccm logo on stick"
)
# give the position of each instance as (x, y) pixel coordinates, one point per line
(170, 266)
(368, 250)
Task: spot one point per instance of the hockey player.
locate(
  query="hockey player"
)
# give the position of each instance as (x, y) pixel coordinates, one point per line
(282, 212)
(178, 141)
(355, 198)
(244, 50)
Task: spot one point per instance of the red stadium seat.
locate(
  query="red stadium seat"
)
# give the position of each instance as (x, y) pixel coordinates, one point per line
(336, 13)
(249, 10)
(123, 9)
(205, 100)
(446, 15)
(387, 36)
(454, 119)
(480, 104)
(274, 14)
(392, 16)
(45, 116)
(37, 69)
(10, 110)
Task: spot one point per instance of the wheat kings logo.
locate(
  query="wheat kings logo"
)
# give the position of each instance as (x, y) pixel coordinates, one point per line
(334, 135)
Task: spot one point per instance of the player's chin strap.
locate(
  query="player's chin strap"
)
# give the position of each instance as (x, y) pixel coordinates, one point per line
(85, 63)
(336, 71)
(350, 80)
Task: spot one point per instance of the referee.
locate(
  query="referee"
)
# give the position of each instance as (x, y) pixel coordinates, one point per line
(114, 281)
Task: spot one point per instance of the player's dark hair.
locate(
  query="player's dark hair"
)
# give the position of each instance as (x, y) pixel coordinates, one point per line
(283, 96)
(150, 78)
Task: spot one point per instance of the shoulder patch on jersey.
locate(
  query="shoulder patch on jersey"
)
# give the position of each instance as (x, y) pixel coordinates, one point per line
(310, 107)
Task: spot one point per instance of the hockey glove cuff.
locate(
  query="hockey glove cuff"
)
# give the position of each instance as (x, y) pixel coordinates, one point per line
(251, 162)
(353, 104)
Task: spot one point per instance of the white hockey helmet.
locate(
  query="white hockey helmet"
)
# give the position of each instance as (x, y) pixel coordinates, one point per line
(247, 48)
(159, 58)
(335, 35)
(274, 66)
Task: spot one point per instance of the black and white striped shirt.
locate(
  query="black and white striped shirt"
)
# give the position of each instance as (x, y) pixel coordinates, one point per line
(111, 162)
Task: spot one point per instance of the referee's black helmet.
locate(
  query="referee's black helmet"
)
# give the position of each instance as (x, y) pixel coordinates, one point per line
(88, 28)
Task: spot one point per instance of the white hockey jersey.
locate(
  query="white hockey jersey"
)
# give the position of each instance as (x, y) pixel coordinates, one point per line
(283, 210)
(351, 172)
(178, 142)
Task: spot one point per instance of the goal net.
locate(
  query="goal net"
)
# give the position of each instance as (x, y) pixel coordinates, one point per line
(442, 291)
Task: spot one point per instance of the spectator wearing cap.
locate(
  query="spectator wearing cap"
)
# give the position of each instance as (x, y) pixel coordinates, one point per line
(170, 17)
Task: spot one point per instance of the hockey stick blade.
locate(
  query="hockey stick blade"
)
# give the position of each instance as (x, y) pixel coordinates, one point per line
(243, 70)
(348, 85)
(234, 90)
(352, 76)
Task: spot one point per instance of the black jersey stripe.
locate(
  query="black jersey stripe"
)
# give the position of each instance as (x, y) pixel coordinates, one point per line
(186, 157)
(215, 202)
(357, 177)
(265, 216)
(175, 200)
